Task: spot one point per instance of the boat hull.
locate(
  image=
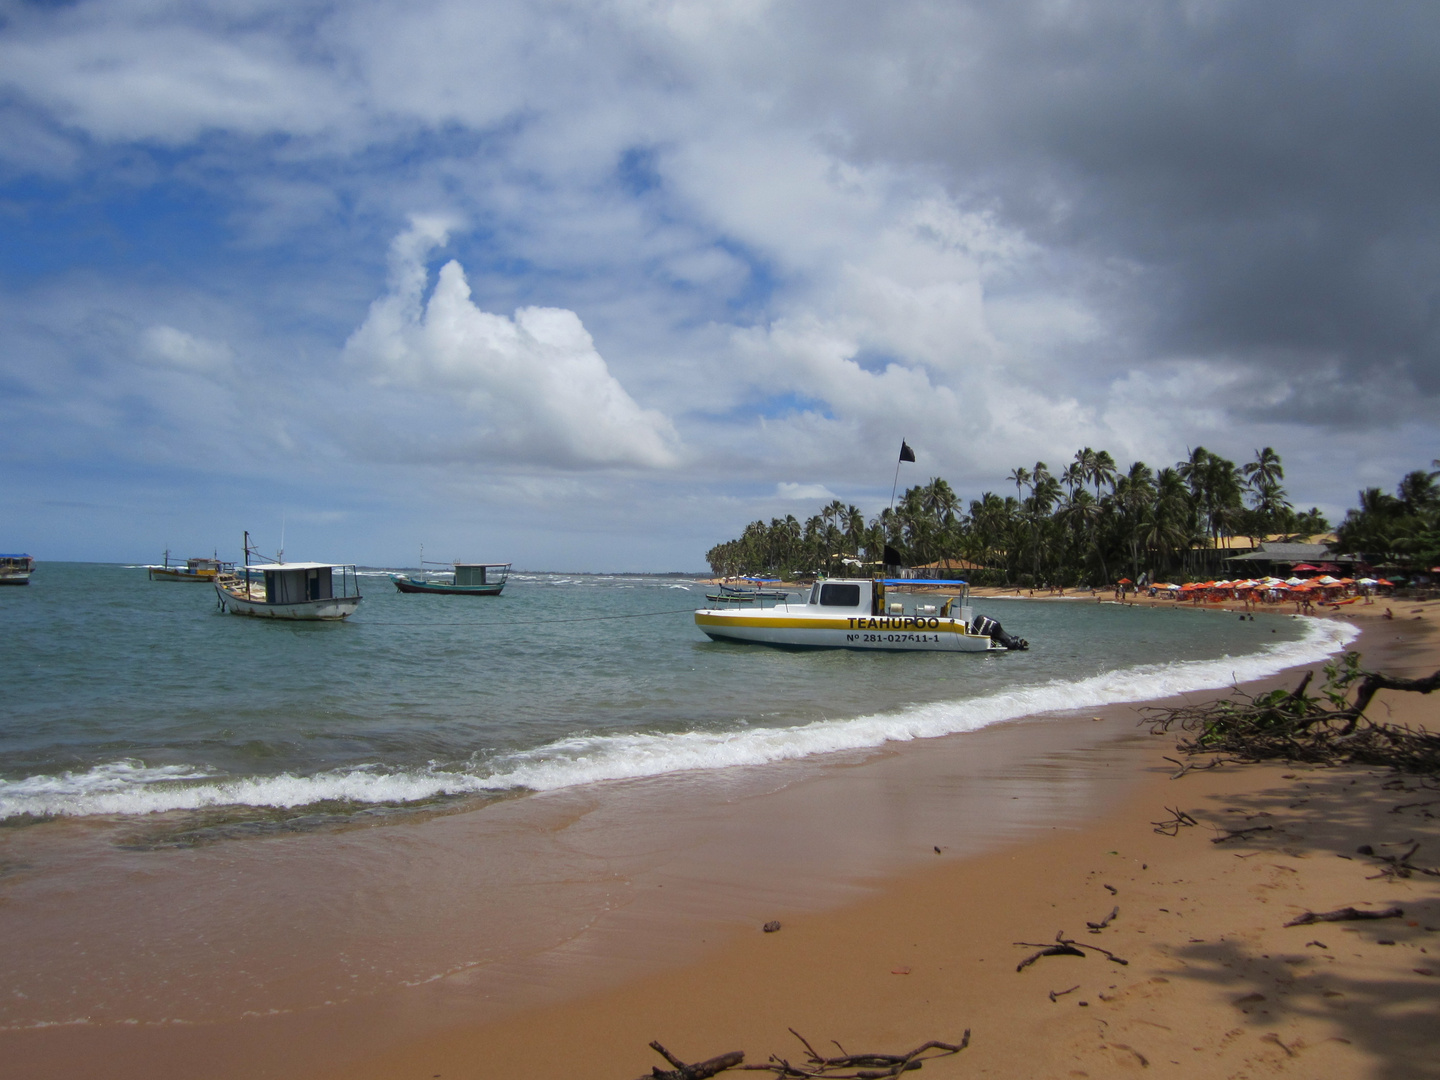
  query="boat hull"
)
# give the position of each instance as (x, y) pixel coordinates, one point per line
(883, 633)
(405, 585)
(15, 579)
(333, 609)
(159, 573)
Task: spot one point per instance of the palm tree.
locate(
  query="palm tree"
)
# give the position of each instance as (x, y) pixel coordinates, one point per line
(1073, 476)
(1134, 494)
(1265, 469)
(1103, 471)
(1019, 476)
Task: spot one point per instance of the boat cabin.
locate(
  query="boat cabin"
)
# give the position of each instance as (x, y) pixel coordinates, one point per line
(297, 583)
(481, 573)
(884, 596)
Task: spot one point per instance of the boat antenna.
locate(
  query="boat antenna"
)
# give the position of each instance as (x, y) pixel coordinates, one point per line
(280, 555)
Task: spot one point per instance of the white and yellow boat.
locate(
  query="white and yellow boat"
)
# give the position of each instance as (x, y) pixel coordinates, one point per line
(862, 614)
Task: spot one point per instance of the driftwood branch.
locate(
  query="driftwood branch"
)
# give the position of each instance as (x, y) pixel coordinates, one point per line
(1240, 834)
(700, 1070)
(1096, 927)
(1064, 946)
(1178, 819)
(857, 1066)
(1398, 866)
(1321, 727)
(1345, 914)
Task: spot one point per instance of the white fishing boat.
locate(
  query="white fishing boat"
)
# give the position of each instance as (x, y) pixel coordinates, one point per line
(290, 590)
(866, 614)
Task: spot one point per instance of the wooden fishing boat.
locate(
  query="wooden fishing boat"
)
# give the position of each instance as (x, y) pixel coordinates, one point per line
(866, 614)
(290, 590)
(470, 579)
(16, 569)
(193, 570)
(752, 592)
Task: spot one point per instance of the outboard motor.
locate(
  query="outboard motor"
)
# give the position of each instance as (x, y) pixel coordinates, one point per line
(985, 625)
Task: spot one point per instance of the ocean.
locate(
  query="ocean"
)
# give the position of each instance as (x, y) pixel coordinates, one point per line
(206, 818)
(125, 697)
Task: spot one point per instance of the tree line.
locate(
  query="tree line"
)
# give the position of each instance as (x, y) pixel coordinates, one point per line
(1401, 529)
(1090, 522)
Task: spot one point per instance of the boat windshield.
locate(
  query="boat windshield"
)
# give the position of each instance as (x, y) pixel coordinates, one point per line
(840, 595)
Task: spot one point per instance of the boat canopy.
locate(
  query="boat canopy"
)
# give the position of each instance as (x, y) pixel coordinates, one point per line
(473, 574)
(296, 566)
(923, 581)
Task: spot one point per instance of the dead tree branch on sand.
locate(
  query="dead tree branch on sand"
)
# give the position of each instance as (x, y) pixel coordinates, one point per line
(1067, 947)
(1328, 729)
(1346, 914)
(846, 1067)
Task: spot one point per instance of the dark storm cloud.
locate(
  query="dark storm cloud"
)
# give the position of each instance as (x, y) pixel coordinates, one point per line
(1270, 172)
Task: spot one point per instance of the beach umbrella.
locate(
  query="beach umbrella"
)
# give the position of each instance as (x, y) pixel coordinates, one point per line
(1368, 581)
(1125, 581)
(1294, 581)
(1327, 580)
(1388, 584)
(1304, 566)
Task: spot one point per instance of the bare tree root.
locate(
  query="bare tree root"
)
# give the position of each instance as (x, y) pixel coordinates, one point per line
(1323, 729)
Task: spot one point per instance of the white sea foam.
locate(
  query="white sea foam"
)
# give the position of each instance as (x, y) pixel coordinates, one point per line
(129, 787)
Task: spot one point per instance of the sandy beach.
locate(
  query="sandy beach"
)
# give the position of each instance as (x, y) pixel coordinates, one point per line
(886, 942)
(1216, 984)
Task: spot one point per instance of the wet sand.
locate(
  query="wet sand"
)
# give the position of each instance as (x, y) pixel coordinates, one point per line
(570, 929)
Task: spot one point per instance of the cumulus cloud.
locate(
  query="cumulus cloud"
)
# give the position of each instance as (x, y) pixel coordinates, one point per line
(803, 492)
(799, 230)
(534, 385)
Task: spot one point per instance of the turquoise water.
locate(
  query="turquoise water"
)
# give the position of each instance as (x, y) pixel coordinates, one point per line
(125, 696)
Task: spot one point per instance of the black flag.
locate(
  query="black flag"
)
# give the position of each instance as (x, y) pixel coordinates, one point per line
(906, 454)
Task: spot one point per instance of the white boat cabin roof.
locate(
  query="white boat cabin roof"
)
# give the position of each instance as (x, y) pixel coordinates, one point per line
(296, 566)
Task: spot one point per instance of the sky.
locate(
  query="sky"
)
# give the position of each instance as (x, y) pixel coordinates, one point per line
(588, 287)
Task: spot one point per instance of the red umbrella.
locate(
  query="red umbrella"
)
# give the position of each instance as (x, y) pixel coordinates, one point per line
(1125, 581)
(1304, 566)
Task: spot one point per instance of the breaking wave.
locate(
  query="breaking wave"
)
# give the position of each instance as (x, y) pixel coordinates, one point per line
(130, 787)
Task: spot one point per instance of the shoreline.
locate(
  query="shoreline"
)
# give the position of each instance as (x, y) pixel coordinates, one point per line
(402, 1027)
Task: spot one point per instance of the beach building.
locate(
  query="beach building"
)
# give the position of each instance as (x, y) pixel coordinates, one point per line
(948, 569)
(1279, 556)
